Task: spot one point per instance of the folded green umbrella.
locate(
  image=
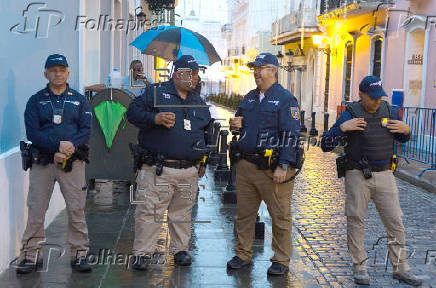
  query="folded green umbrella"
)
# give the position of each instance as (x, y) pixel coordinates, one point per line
(109, 115)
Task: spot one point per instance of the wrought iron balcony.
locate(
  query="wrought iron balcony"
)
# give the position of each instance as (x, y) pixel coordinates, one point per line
(327, 6)
(293, 22)
(160, 5)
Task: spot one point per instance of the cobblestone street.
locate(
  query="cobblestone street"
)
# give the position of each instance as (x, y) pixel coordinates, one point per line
(319, 234)
(318, 212)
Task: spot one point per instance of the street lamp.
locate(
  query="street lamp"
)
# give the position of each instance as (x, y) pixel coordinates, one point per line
(317, 40)
(287, 57)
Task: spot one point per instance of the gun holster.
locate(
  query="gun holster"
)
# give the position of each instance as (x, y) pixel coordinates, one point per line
(26, 155)
(140, 157)
(364, 166)
(300, 158)
(341, 164)
(159, 164)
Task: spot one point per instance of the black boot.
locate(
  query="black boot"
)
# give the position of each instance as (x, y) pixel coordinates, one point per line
(26, 266)
(182, 258)
(277, 269)
(81, 265)
(237, 263)
(141, 263)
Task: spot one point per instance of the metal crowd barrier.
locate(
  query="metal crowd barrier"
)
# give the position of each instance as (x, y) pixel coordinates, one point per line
(422, 144)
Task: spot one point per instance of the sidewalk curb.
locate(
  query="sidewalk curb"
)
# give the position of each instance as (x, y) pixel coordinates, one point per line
(415, 180)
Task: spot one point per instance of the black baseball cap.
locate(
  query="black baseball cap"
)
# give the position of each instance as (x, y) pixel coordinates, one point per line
(264, 59)
(186, 61)
(372, 85)
(56, 59)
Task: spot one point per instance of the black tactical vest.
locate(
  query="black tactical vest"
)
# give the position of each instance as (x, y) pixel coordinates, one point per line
(375, 142)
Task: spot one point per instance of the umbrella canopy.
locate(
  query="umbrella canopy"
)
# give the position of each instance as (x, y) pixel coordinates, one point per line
(171, 42)
(109, 115)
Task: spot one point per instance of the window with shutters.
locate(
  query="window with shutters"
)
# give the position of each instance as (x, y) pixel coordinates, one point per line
(327, 83)
(377, 57)
(348, 65)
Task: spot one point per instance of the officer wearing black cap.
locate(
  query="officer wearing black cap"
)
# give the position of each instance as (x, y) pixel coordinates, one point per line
(268, 120)
(369, 128)
(58, 123)
(172, 119)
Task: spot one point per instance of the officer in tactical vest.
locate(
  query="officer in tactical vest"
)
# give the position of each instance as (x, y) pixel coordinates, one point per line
(173, 120)
(58, 123)
(369, 128)
(268, 121)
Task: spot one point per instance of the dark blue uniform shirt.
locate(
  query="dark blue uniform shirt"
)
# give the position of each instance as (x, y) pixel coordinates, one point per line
(274, 122)
(76, 119)
(335, 136)
(175, 142)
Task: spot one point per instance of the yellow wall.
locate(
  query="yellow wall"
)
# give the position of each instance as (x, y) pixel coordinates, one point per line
(337, 35)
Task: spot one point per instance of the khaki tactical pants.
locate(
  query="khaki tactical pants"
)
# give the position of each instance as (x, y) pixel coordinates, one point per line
(175, 190)
(253, 186)
(73, 188)
(382, 189)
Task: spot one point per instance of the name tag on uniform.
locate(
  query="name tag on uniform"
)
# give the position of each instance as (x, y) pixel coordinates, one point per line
(187, 124)
(57, 116)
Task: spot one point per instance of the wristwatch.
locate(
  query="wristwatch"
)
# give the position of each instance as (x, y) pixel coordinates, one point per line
(284, 166)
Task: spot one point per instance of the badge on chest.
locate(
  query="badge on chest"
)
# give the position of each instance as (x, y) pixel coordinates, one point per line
(57, 116)
(187, 124)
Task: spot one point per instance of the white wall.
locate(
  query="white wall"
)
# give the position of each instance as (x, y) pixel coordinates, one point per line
(22, 58)
(13, 208)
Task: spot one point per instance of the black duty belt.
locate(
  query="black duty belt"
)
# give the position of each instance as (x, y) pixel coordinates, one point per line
(179, 164)
(252, 158)
(380, 168)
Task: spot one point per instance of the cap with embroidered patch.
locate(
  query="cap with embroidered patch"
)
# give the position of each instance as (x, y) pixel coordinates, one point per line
(264, 59)
(372, 85)
(186, 61)
(56, 59)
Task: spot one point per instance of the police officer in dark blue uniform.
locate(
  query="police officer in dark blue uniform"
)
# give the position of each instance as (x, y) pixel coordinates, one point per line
(172, 119)
(368, 128)
(268, 120)
(58, 123)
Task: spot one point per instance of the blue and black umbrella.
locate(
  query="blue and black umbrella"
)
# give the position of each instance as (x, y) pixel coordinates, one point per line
(171, 42)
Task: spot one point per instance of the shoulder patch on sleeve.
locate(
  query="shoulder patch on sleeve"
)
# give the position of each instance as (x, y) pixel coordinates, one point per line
(295, 113)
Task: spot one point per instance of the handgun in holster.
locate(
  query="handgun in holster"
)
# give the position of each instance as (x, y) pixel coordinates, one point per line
(26, 155)
(341, 163)
(266, 158)
(299, 158)
(159, 164)
(234, 152)
(364, 166)
(140, 157)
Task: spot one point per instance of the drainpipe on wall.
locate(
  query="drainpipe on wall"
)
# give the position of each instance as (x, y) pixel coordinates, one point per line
(424, 68)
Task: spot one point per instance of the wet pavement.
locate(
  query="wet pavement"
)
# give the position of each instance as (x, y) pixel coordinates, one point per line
(320, 256)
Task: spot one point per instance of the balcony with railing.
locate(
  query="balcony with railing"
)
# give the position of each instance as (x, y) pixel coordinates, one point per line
(327, 6)
(292, 24)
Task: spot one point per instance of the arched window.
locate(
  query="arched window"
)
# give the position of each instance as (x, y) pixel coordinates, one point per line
(327, 82)
(348, 66)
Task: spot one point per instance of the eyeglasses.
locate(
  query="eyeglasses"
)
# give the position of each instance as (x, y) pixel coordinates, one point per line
(260, 68)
